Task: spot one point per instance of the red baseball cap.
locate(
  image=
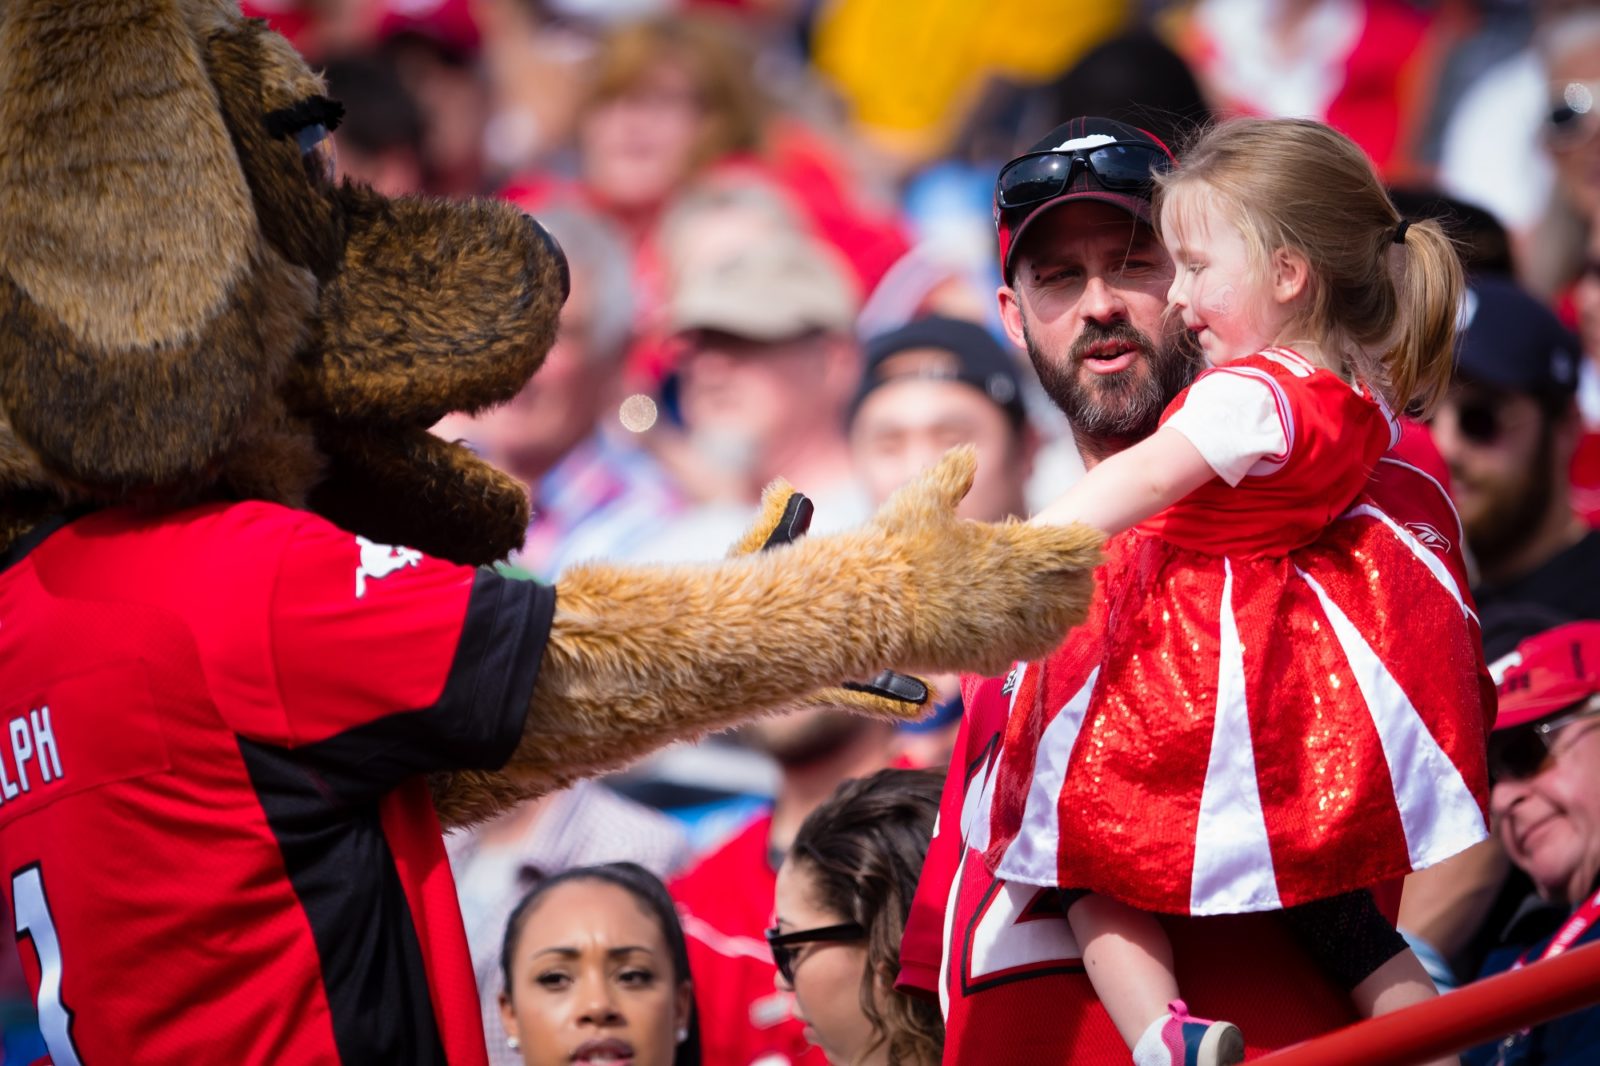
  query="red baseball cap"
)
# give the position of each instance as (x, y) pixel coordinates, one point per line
(1135, 155)
(448, 23)
(1548, 673)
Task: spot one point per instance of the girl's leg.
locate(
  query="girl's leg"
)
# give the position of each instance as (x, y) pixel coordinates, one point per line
(1128, 958)
(1129, 961)
(1357, 947)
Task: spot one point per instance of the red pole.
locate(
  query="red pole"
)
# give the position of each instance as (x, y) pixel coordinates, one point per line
(1476, 1014)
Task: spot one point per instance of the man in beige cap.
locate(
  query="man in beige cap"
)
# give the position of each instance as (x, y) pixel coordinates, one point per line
(769, 364)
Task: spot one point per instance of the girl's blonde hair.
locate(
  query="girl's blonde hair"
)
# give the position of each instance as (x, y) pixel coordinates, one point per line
(1389, 308)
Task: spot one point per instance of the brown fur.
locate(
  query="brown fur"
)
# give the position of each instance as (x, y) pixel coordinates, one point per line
(473, 514)
(637, 654)
(192, 310)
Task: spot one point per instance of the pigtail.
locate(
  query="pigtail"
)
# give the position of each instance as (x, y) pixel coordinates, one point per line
(1428, 286)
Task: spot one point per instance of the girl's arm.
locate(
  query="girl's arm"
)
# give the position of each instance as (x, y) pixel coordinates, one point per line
(1135, 484)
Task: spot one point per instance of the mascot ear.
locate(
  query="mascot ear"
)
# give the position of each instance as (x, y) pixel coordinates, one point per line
(146, 326)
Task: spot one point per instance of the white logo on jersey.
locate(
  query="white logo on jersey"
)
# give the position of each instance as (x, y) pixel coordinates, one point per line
(1429, 536)
(1093, 140)
(381, 560)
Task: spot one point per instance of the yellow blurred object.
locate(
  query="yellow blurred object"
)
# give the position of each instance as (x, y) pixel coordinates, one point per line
(911, 71)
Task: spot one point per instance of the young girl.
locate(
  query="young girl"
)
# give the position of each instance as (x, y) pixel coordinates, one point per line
(1284, 715)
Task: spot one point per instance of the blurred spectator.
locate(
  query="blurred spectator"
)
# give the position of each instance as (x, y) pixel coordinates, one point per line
(673, 102)
(726, 898)
(843, 896)
(1544, 760)
(434, 45)
(1350, 63)
(380, 139)
(496, 864)
(769, 361)
(931, 385)
(595, 492)
(1514, 145)
(1586, 463)
(1508, 430)
(594, 970)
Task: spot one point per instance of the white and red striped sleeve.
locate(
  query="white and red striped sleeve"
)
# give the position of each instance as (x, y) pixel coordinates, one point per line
(1240, 420)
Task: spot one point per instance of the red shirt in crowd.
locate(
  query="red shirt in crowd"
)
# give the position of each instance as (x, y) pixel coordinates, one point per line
(216, 840)
(725, 901)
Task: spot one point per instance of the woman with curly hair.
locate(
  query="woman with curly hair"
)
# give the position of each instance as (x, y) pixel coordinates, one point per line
(843, 895)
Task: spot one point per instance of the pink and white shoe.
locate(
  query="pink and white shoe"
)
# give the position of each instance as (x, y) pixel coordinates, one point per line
(1183, 1040)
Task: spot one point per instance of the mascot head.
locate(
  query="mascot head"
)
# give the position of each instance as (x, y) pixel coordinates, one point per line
(194, 309)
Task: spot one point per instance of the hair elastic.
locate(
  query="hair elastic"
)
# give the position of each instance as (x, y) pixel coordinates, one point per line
(1400, 231)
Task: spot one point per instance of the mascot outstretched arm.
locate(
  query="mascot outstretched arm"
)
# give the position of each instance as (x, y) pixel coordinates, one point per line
(250, 658)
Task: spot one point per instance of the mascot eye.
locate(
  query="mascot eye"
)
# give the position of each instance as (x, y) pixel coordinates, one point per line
(316, 148)
(309, 122)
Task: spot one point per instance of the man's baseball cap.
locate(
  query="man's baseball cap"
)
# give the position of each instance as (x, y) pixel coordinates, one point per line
(956, 350)
(1117, 175)
(767, 290)
(1547, 673)
(1510, 340)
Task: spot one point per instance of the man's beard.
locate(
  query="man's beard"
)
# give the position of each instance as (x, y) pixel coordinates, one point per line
(1516, 509)
(1108, 412)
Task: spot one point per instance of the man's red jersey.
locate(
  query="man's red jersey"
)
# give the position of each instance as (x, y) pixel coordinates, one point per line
(1000, 957)
(725, 901)
(216, 842)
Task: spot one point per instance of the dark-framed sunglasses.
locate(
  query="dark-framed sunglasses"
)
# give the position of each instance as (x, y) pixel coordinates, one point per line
(1479, 422)
(785, 945)
(1120, 166)
(1523, 752)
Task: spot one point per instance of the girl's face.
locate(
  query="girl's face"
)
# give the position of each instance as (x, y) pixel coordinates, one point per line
(827, 975)
(1222, 295)
(592, 982)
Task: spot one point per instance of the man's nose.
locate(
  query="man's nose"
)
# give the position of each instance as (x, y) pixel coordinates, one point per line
(1101, 302)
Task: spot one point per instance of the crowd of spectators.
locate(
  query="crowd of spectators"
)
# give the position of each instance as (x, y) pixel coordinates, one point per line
(778, 220)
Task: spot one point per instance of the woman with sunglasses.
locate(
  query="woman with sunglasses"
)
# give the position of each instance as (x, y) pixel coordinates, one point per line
(1544, 758)
(843, 895)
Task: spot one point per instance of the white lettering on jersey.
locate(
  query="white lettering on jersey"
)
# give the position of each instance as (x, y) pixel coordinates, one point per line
(31, 738)
(380, 560)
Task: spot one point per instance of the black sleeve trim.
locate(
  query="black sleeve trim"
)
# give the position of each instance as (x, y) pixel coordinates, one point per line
(477, 720)
(497, 663)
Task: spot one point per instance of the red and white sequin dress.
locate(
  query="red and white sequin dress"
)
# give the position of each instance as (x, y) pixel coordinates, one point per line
(1287, 704)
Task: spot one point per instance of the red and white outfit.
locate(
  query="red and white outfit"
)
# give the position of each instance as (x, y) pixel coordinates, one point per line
(1288, 705)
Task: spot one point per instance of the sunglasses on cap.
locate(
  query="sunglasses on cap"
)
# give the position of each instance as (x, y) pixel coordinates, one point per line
(785, 946)
(1571, 116)
(1524, 751)
(1120, 166)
